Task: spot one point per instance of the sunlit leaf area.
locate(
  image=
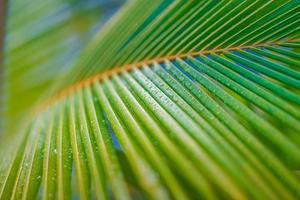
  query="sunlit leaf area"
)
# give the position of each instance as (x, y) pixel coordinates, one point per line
(150, 99)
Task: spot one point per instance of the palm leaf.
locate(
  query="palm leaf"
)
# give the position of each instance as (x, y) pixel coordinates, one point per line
(171, 100)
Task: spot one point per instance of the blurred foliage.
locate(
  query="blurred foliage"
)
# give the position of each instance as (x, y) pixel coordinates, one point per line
(43, 39)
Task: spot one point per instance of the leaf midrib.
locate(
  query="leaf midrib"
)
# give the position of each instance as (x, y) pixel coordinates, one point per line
(69, 90)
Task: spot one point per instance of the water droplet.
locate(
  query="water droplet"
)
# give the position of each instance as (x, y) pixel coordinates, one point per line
(168, 67)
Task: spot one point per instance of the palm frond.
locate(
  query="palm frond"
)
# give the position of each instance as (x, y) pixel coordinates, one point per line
(171, 100)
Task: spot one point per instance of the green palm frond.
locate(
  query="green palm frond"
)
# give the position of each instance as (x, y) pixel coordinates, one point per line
(171, 100)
